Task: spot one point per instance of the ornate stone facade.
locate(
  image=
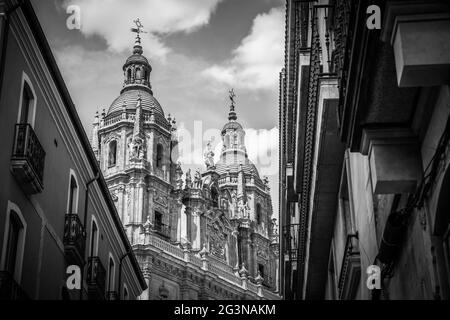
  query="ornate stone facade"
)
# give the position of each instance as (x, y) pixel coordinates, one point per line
(207, 236)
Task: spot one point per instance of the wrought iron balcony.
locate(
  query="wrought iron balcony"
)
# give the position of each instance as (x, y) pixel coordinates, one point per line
(162, 229)
(74, 239)
(96, 277)
(350, 274)
(290, 237)
(10, 289)
(28, 159)
(112, 295)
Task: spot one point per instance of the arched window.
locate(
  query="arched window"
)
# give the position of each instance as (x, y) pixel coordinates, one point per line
(94, 239)
(129, 75)
(138, 73)
(258, 213)
(112, 153)
(111, 274)
(13, 242)
(125, 292)
(146, 75)
(159, 155)
(27, 103)
(72, 206)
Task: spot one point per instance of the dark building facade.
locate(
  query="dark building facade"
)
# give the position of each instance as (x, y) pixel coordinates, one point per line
(55, 207)
(364, 178)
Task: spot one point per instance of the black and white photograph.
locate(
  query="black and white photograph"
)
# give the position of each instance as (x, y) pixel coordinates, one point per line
(250, 151)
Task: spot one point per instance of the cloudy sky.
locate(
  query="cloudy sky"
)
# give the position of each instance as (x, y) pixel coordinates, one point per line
(198, 49)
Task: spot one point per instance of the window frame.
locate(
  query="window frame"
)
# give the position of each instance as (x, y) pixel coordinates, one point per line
(109, 163)
(111, 284)
(72, 203)
(31, 117)
(93, 243)
(159, 155)
(12, 207)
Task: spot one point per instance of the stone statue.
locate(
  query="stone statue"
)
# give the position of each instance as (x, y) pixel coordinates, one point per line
(197, 179)
(209, 156)
(179, 176)
(147, 224)
(243, 209)
(188, 179)
(137, 148)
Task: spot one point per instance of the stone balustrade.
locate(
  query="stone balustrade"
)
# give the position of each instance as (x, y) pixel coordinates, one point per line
(213, 266)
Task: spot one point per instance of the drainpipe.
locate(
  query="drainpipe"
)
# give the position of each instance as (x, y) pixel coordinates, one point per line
(120, 271)
(86, 199)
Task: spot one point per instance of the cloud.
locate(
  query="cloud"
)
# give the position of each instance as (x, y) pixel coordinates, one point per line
(112, 20)
(257, 61)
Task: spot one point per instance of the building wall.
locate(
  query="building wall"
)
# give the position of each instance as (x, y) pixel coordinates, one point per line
(44, 263)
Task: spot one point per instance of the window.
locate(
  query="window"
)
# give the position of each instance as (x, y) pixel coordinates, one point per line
(27, 103)
(261, 269)
(158, 220)
(14, 242)
(112, 153)
(111, 274)
(138, 73)
(215, 197)
(125, 292)
(159, 155)
(94, 239)
(129, 75)
(73, 195)
(146, 75)
(258, 213)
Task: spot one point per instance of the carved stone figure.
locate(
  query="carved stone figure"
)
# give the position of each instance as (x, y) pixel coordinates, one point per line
(188, 179)
(137, 148)
(197, 179)
(209, 156)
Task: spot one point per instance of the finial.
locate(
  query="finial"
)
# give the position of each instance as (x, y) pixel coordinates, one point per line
(232, 113)
(138, 30)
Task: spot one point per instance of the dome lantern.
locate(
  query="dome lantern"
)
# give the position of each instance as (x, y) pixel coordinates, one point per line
(137, 69)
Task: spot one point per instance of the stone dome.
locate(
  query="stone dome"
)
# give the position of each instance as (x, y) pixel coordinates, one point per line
(229, 163)
(234, 125)
(129, 99)
(136, 59)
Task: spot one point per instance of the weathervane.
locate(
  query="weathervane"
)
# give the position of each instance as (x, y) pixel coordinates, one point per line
(138, 30)
(232, 96)
(139, 27)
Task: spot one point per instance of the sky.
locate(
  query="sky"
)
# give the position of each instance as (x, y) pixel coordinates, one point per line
(198, 49)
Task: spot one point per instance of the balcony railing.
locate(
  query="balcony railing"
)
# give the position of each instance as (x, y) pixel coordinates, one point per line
(290, 237)
(10, 289)
(350, 269)
(28, 159)
(74, 239)
(112, 295)
(96, 276)
(162, 229)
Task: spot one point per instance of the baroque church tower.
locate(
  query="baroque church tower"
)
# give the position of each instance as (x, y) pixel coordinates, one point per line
(208, 235)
